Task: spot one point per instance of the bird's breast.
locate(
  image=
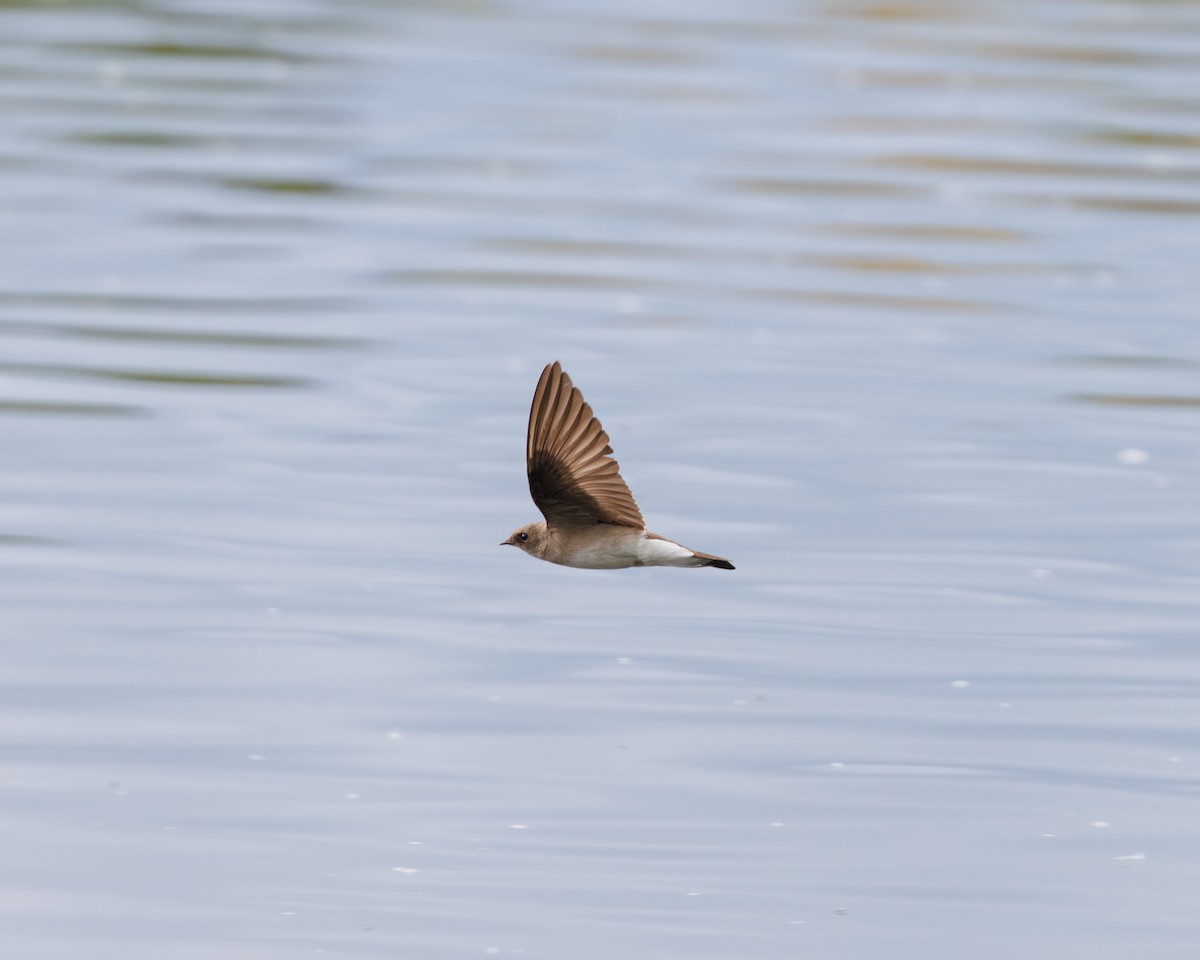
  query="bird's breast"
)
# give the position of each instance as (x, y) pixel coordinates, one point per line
(603, 547)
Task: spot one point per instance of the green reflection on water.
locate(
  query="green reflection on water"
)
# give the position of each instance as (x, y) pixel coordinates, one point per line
(202, 379)
(1135, 400)
(154, 302)
(176, 378)
(1116, 360)
(137, 138)
(270, 185)
(215, 51)
(214, 338)
(53, 408)
(27, 539)
(1147, 138)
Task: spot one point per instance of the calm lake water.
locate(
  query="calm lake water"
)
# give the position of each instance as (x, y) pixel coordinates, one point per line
(893, 304)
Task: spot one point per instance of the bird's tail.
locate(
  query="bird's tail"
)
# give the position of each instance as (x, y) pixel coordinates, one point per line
(708, 560)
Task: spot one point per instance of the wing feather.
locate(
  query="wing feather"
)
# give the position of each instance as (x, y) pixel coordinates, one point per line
(572, 478)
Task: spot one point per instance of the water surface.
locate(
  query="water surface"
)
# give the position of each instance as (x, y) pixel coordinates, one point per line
(893, 305)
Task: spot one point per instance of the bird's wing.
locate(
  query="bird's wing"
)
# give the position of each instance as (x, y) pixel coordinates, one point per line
(572, 478)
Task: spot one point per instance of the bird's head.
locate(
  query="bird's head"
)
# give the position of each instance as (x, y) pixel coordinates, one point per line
(531, 538)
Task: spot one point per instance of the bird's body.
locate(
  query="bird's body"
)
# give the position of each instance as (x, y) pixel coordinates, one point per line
(609, 547)
(592, 519)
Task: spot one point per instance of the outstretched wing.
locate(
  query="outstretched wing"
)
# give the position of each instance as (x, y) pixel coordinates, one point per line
(572, 478)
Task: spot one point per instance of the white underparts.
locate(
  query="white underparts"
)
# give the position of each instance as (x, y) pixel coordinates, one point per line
(653, 552)
(609, 547)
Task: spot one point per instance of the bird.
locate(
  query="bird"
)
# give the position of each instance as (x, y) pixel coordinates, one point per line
(592, 520)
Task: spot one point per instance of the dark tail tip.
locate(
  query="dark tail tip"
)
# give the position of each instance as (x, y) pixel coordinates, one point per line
(708, 560)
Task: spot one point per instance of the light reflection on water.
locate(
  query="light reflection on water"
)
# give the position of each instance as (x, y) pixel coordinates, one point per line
(891, 304)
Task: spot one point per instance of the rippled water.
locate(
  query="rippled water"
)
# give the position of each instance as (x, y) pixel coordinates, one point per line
(893, 304)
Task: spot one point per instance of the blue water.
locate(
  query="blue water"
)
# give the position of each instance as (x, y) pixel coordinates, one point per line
(892, 305)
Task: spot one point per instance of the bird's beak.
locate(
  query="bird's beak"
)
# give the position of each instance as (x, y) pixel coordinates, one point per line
(506, 543)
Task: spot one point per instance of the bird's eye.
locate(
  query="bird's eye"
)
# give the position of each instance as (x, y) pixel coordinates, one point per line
(522, 537)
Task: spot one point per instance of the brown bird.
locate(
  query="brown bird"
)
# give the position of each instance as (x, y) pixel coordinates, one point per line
(592, 519)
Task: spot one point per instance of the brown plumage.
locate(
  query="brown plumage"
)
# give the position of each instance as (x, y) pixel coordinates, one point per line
(592, 519)
(572, 477)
